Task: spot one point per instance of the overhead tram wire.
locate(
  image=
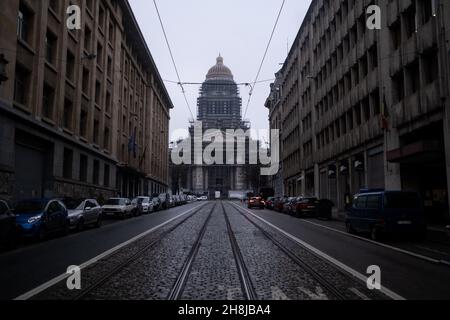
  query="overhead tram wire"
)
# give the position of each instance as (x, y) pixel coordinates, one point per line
(264, 58)
(180, 83)
(223, 84)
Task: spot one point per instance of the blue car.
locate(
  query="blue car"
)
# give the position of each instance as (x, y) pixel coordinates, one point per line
(40, 217)
(386, 212)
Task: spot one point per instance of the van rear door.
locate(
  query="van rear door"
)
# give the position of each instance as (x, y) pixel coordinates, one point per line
(403, 209)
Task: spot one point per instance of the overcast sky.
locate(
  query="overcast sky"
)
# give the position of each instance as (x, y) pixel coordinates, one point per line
(199, 29)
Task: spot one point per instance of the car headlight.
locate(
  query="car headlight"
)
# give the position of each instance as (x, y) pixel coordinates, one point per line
(34, 219)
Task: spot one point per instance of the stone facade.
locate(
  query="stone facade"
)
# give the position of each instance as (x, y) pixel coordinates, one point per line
(368, 108)
(84, 112)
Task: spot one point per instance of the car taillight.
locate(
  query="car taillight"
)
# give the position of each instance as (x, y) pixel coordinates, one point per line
(302, 206)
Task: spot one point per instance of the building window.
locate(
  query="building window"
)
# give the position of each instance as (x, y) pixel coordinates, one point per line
(83, 123)
(83, 168)
(54, 5)
(106, 174)
(21, 85)
(111, 33)
(96, 131)
(70, 66)
(87, 39)
(98, 93)
(67, 163)
(24, 24)
(108, 102)
(96, 172)
(410, 21)
(90, 5)
(101, 18)
(430, 66)
(106, 138)
(398, 87)
(99, 55)
(48, 97)
(109, 68)
(396, 35)
(86, 79)
(413, 77)
(426, 9)
(50, 47)
(67, 116)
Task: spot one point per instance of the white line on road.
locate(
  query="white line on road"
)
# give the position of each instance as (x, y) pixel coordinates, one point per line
(359, 294)
(61, 277)
(325, 256)
(413, 254)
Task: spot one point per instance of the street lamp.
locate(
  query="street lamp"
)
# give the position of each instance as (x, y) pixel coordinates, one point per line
(3, 63)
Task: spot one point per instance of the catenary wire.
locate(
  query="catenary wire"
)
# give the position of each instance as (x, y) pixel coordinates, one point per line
(264, 58)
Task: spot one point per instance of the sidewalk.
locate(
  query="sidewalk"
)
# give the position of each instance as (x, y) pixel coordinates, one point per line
(435, 232)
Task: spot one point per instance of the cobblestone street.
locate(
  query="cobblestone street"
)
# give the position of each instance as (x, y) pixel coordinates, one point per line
(216, 252)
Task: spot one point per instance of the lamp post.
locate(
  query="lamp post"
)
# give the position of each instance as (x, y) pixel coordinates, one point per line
(3, 63)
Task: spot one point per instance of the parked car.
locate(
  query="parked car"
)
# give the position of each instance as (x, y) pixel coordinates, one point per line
(165, 199)
(256, 202)
(172, 202)
(137, 207)
(146, 204)
(120, 207)
(183, 199)
(8, 229)
(287, 205)
(278, 204)
(202, 198)
(304, 206)
(83, 212)
(269, 203)
(156, 203)
(386, 212)
(41, 217)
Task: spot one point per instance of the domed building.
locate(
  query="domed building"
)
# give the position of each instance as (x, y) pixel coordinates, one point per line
(219, 104)
(219, 107)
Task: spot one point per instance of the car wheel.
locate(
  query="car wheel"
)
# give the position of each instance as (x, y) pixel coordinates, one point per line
(42, 233)
(80, 225)
(375, 234)
(98, 224)
(65, 229)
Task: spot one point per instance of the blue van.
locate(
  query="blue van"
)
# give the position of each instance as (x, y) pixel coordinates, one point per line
(386, 212)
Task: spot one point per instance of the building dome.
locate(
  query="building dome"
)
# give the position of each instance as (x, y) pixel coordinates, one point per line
(219, 71)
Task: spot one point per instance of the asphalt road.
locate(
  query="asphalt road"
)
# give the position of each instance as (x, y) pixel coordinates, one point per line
(30, 266)
(408, 276)
(408, 269)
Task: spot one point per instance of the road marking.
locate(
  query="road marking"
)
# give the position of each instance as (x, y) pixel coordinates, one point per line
(359, 294)
(63, 276)
(410, 253)
(325, 256)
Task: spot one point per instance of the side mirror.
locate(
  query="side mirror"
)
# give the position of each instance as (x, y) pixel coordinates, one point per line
(88, 208)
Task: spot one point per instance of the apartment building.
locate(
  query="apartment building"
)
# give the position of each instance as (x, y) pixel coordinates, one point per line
(273, 104)
(84, 112)
(366, 108)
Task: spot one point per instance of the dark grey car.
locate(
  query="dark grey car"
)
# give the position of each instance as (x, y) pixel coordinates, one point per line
(83, 212)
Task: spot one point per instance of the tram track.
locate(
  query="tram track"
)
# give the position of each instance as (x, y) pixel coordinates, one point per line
(136, 256)
(180, 283)
(324, 283)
